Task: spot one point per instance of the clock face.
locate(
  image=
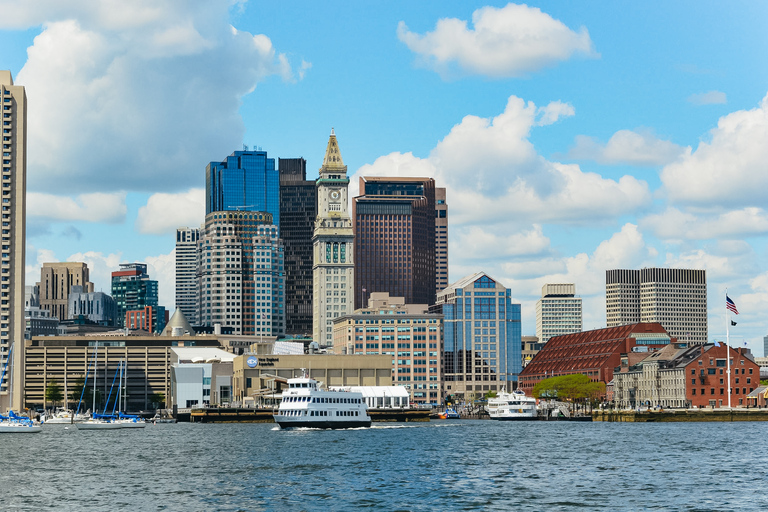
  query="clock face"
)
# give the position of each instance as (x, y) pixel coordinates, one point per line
(335, 195)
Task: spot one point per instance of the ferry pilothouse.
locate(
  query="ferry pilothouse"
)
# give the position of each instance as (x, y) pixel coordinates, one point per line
(304, 404)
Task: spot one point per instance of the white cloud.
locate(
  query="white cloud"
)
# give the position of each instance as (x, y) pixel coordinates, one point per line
(95, 207)
(478, 244)
(162, 268)
(629, 147)
(504, 42)
(728, 170)
(133, 96)
(708, 98)
(163, 213)
(494, 175)
(674, 224)
(552, 113)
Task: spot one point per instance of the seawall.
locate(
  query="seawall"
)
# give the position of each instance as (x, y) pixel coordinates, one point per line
(671, 416)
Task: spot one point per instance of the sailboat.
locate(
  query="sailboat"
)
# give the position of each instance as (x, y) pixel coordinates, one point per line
(98, 421)
(13, 423)
(127, 420)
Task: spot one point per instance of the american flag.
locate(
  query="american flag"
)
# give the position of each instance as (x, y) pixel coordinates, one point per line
(730, 306)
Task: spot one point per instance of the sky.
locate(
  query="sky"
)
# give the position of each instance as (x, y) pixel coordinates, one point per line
(572, 137)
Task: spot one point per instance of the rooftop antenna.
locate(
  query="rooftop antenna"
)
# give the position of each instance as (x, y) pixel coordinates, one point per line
(245, 147)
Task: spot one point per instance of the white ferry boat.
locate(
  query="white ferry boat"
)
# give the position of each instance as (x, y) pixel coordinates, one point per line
(304, 404)
(512, 406)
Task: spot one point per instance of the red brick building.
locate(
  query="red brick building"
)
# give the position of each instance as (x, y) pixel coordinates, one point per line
(594, 353)
(706, 376)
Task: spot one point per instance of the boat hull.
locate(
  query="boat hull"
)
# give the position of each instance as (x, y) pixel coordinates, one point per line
(20, 429)
(285, 425)
(516, 418)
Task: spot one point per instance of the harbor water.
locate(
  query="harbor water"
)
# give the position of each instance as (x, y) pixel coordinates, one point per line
(441, 465)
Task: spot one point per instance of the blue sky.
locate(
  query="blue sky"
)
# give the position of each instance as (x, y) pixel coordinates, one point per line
(572, 137)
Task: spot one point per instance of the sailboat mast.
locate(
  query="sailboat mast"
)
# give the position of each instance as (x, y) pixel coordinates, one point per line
(95, 370)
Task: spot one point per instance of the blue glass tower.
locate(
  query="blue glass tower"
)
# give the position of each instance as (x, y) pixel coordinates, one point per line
(244, 181)
(481, 337)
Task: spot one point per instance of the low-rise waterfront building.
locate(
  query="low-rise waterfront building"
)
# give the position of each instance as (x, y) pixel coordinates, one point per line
(593, 353)
(259, 376)
(408, 333)
(681, 376)
(200, 376)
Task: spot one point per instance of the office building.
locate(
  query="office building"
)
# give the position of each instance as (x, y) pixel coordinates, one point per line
(186, 267)
(13, 101)
(132, 290)
(407, 332)
(298, 210)
(530, 346)
(240, 270)
(395, 239)
(56, 283)
(676, 298)
(149, 319)
(96, 307)
(244, 181)
(441, 241)
(558, 311)
(482, 337)
(333, 255)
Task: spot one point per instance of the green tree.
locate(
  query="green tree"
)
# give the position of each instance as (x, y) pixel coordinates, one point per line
(573, 388)
(490, 394)
(53, 392)
(158, 399)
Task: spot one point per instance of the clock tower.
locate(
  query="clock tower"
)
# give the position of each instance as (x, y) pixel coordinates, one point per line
(333, 264)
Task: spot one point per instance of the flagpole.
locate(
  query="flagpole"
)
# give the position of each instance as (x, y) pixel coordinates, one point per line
(727, 349)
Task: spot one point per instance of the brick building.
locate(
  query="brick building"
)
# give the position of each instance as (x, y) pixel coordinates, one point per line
(593, 353)
(706, 384)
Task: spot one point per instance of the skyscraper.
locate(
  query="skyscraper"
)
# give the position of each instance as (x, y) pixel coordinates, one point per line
(482, 336)
(676, 298)
(186, 267)
(298, 210)
(56, 282)
(132, 289)
(333, 269)
(441, 241)
(13, 99)
(244, 181)
(395, 239)
(234, 267)
(558, 311)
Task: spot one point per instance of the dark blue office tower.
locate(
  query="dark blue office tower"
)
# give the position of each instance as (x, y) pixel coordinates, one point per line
(245, 181)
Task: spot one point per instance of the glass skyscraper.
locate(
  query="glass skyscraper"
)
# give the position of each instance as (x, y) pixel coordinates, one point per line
(482, 337)
(244, 181)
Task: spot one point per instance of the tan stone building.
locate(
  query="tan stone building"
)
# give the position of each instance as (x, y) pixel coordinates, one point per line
(257, 376)
(56, 282)
(408, 333)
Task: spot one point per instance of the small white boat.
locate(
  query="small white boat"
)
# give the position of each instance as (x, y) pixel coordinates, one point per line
(304, 404)
(14, 424)
(512, 406)
(65, 417)
(99, 422)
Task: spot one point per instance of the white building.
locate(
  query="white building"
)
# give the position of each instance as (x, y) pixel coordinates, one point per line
(186, 267)
(13, 104)
(676, 298)
(333, 270)
(220, 274)
(200, 376)
(558, 311)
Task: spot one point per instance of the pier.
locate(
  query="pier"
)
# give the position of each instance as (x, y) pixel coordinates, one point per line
(681, 415)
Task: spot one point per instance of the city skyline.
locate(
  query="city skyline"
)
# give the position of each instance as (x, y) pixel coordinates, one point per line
(560, 161)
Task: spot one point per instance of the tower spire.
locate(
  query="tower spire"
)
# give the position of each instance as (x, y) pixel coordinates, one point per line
(332, 162)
